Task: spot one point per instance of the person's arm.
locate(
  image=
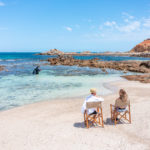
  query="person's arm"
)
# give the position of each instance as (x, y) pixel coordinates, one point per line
(83, 107)
(101, 99)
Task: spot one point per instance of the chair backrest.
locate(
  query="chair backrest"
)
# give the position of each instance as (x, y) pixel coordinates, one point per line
(93, 105)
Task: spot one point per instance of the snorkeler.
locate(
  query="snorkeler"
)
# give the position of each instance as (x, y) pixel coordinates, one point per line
(36, 70)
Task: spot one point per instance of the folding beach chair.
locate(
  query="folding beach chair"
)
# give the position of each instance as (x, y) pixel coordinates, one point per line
(118, 114)
(94, 118)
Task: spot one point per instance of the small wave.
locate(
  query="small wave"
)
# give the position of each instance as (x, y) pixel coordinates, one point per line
(10, 59)
(7, 60)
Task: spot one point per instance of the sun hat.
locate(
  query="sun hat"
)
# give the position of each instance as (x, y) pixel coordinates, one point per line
(93, 90)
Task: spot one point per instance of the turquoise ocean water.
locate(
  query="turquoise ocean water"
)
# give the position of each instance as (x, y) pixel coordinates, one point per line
(18, 86)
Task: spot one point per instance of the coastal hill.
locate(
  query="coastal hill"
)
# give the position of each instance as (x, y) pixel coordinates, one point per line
(142, 47)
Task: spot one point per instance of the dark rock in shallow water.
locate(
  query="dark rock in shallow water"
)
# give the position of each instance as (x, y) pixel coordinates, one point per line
(104, 70)
(1, 68)
(140, 78)
(133, 66)
(145, 64)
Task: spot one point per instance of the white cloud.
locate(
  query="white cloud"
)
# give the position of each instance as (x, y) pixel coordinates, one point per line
(68, 29)
(126, 28)
(2, 4)
(127, 15)
(110, 23)
(146, 22)
(132, 26)
(126, 20)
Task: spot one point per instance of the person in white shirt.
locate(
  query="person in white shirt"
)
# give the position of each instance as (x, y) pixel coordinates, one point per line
(91, 98)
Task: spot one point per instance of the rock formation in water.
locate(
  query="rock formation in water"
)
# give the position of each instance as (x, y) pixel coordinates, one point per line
(58, 52)
(133, 66)
(85, 52)
(143, 47)
(1, 68)
(142, 78)
(53, 52)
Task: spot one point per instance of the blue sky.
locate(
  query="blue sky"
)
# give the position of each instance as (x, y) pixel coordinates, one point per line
(73, 25)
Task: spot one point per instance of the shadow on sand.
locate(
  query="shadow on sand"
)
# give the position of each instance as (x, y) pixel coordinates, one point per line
(79, 125)
(107, 122)
(110, 122)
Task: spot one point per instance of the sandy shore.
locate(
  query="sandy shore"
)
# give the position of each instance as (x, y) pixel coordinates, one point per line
(59, 125)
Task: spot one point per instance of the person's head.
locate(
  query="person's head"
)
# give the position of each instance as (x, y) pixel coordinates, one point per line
(37, 67)
(93, 91)
(123, 95)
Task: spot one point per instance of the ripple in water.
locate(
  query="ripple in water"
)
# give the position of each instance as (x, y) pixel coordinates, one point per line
(18, 86)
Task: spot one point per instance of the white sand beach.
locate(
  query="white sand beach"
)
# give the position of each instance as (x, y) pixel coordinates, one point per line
(55, 125)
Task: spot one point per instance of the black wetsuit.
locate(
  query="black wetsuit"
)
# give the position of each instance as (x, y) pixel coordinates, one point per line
(36, 70)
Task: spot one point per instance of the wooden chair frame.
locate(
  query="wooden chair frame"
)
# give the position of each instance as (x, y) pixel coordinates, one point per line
(121, 115)
(94, 118)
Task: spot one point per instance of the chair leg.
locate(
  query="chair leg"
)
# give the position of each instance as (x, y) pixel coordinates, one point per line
(94, 119)
(102, 117)
(99, 121)
(129, 114)
(129, 117)
(84, 119)
(111, 112)
(87, 124)
(115, 117)
(125, 115)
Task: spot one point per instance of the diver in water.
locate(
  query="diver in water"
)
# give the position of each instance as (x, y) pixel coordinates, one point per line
(36, 70)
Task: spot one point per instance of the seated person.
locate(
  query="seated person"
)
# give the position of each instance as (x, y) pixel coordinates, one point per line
(91, 98)
(122, 101)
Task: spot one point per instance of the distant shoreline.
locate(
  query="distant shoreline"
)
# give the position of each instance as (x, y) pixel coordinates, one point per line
(99, 54)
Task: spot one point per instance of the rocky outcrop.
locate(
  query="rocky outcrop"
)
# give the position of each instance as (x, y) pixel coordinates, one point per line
(146, 64)
(88, 53)
(53, 52)
(142, 78)
(85, 52)
(140, 55)
(133, 66)
(70, 53)
(142, 47)
(1, 68)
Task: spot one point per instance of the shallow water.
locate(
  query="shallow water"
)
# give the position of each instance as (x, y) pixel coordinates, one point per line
(58, 82)
(18, 86)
